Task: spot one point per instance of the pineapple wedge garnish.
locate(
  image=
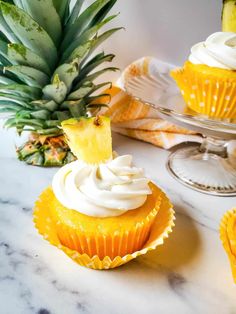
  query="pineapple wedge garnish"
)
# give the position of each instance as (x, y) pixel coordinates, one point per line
(89, 138)
(229, 16)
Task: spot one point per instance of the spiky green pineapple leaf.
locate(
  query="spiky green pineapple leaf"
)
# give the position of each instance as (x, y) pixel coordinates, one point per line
(56, 91)
(4, 61)
(50, 105)
(21, 55)
(62, 115)
(87, 89)
(75, 12)
(85, 37)
(79, 53)
(91, 99)
(9, 1)
(94, 76)
(45, 14)
(103, 12)
(20, 122)
(82, 91)
(62, 8)
(92, 64)
(30, 76)
(5, 81)
(6, 30)
(6, 107)
(82, 22)
(18, 3)
(99, 40)
(3, 49)
(10, 77)
(97, 106)
(15, 99)
(40, 114)
(2, 36)
(52, 123)
(77, 108)
(29, 32)
(24, 91)
(67, 72)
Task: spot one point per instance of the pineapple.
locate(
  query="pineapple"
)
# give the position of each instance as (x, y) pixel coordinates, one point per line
(48, 70)
(89, 138)
(45, 150)
(229, 16)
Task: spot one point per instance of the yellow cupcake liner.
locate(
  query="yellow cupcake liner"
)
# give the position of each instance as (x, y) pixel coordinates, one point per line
(120, 243)
(208, 95)
(161, 228)
(228, 238)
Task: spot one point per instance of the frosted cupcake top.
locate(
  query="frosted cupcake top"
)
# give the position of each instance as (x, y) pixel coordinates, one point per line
(104, 190)
(219, 50)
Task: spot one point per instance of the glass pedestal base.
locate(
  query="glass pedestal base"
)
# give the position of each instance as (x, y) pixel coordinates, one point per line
(205, 168)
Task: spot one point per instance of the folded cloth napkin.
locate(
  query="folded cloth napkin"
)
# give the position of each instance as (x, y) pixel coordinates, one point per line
(136, 119)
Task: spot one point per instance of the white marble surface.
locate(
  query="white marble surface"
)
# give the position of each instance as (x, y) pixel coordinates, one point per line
(190, 273)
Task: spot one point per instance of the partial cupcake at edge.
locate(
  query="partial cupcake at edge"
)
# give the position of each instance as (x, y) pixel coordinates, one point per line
(101, 204)
(208, 78)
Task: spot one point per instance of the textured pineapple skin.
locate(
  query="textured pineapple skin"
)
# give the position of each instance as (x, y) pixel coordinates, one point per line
(89, 138)
(52, 152)
(229, 16)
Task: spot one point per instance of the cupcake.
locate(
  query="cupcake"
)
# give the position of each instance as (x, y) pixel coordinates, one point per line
(101, 205)
(228, 237)
(208, 79)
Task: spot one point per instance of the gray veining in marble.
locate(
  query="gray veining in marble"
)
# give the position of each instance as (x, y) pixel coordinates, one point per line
(190, 273)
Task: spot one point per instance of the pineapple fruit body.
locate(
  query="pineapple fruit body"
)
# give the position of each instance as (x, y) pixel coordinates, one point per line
(48, 70)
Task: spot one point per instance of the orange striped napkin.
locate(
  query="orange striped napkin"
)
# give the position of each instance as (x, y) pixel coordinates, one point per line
(140, 121)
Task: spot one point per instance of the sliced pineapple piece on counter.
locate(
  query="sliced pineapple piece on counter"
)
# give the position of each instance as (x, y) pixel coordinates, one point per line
(229, 16)
(89, 138)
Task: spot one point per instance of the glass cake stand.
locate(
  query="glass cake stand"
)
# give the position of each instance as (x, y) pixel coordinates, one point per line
(209, 168)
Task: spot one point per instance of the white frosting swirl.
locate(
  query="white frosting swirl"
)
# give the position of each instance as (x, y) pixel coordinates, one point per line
(219, 50)
(104, 190)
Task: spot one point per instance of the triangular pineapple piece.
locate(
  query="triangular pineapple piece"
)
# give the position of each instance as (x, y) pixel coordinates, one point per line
(229, 16)
(89, 138)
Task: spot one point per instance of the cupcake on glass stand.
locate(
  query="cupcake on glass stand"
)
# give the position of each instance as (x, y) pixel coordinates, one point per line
(204, 102)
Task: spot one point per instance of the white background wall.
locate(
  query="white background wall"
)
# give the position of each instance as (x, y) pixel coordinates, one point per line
(162, 28)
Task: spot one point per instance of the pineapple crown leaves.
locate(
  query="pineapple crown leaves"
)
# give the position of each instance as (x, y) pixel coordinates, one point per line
(47, 61)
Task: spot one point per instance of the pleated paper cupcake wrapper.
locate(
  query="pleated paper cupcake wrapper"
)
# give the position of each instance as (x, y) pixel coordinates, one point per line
(161, 227)
(207, 95)
(120, 244)
(228, 238)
